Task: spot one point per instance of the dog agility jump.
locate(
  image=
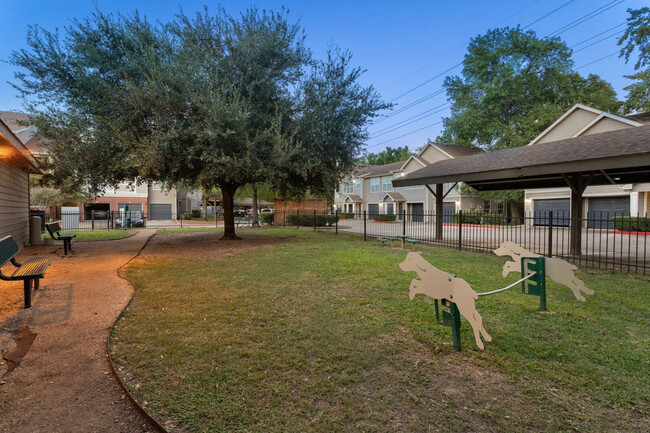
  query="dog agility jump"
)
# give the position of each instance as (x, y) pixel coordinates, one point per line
(459, 296)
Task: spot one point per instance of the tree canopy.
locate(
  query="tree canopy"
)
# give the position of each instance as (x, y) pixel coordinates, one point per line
(637, 39)
(513, 86)
(210, 101)
(388, 156)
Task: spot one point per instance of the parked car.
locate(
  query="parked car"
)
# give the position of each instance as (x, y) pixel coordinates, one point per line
(266, 210)
(239, 213)
(137, 219)
(100, 214)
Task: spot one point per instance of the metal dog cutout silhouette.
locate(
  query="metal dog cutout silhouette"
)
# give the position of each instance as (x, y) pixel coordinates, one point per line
(440, 285)
(557, 270)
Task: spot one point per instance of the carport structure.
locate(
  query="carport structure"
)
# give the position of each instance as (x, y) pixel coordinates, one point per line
(617, 157)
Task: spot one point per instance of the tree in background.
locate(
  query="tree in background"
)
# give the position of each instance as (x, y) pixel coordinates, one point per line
(212, 101)
(637, 38)
(388, 156)
(513, 86)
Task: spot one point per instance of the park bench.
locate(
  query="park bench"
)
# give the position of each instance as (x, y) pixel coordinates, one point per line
(413, 242)
(245, 221)
(54, 230)
(31, 271)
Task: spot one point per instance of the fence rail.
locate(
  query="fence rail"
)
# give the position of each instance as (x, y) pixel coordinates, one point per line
(617, 242)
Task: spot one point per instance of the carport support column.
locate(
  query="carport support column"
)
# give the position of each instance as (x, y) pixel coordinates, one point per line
(439, 196)
(578, 183)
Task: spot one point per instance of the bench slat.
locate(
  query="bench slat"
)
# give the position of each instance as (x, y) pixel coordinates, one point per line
(32, 267)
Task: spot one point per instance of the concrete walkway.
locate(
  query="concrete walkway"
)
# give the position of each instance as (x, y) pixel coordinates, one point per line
(64, 383)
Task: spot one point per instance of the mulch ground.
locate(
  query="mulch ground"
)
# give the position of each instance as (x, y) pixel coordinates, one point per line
(56, 377)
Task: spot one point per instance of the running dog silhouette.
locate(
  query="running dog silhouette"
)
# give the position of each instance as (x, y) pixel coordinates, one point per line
(557, 270)
(440, 285)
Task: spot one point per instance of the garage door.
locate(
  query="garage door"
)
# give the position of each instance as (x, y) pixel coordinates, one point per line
(447, 210)
(160, 211)
(601, 211)
(416, 211)
(561, 212)
(373, 209)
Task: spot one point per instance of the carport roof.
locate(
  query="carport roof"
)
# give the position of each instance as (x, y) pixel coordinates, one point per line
(623, 155)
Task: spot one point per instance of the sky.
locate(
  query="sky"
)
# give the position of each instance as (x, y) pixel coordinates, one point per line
(406, 47)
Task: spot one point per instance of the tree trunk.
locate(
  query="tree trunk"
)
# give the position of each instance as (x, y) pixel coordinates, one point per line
(204, 203)
(228, 192)
(256, 221)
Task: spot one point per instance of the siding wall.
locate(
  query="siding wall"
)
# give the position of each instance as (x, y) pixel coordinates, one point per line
(14, 203)
(571, 124)
(606, 125)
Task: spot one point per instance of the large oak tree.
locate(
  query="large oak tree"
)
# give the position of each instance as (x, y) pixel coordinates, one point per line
(210, 100)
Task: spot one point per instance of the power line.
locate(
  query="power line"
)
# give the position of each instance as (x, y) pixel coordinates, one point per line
(427, 81)
(404, 135)
(411, 105)
(586, 17)
(414, 119)
(598, 60)
(595, 36)
(548, 14)
(599, 41)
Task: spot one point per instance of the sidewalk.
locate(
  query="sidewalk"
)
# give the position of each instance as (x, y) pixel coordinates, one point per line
(64, 383)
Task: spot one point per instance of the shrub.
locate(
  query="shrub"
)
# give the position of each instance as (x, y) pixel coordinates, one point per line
(196, 213)
(633, 224)
(308, 220)
(381, 217)
(186, 215)
(479, 218)
(267, 218)
(346, 215)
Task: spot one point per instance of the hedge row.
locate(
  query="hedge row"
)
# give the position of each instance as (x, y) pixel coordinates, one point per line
(480, 218)
(308, 220)
(346, 215)
(632, 224)
(382, 217)
(267, 218)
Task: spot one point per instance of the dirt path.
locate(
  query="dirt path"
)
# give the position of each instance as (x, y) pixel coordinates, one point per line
(64, 383)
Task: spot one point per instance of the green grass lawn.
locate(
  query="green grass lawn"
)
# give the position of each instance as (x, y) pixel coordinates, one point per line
(102, 235)
(316, 333)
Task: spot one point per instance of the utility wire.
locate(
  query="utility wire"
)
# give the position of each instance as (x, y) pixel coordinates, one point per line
(599, 41)
(404, 135)
(598, 60)
(595, 36)
(586, 17)
(548, 14)
(414, 119)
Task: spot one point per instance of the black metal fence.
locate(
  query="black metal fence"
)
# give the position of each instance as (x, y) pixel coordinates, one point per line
(615, 242)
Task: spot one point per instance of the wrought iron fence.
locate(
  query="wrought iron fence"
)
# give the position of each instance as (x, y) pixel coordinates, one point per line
(615, 241)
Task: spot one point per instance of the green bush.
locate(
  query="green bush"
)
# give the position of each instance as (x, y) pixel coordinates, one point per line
(480, 218)
(381, 217)
(267, 218)
(308, 220)
(196, 213)
(632, 224)
(346, 215)
(186, 215)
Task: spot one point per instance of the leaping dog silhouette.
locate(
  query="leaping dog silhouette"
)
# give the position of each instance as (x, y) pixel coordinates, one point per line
(557, 270)
(440, 285)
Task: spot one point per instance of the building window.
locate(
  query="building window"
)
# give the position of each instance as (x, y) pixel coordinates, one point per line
(374, 185)
(387, 184)
(347, 187)
(357, 184)
(389, 209)
(414, 187)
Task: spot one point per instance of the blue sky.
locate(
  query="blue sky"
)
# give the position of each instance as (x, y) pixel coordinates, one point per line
(404, 45)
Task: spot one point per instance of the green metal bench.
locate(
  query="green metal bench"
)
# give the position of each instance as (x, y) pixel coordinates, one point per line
(382, 240)
(244, 221)
(31, 271)
(54, 229)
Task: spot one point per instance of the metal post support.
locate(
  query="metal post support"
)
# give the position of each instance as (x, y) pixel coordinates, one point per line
(537, 285)
(364, 225)
(452, 319)
(403, 222)
(92, 220)
(314, 219)
(298, 219)
(336, 220)
(284, 218)
(181, 218)
(460, 229)
(550, 234)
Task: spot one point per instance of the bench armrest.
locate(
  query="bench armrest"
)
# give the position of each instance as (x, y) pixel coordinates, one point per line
(15, 263)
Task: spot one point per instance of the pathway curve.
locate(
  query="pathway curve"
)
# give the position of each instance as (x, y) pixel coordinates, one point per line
(64, 383)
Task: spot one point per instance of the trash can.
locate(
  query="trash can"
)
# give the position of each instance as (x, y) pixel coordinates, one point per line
(35, 230)
(127, 223)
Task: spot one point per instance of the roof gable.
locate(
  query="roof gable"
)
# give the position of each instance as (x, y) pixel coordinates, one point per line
(578, 120)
